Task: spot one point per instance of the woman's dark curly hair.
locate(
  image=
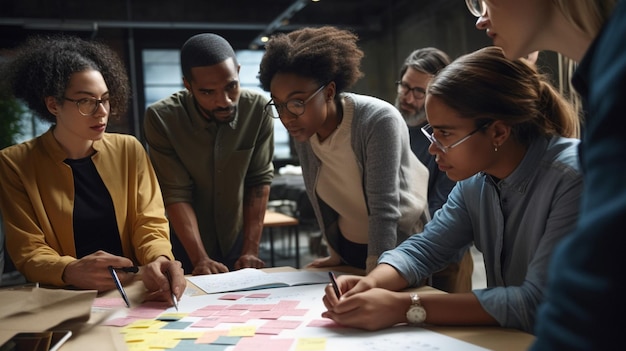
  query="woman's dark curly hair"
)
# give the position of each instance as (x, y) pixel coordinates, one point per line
(325, 54)
(43, 67)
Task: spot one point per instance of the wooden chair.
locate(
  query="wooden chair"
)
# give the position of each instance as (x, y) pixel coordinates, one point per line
(275, 219)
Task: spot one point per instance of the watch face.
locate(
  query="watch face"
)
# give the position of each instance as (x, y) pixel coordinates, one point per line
(416, 314)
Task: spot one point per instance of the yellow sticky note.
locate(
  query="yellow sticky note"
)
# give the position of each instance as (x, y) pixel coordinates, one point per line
(162, 342)
(136, 336)
(145, 324)
(137, 346)
(184, 335)
(311, 344)
(244, 330)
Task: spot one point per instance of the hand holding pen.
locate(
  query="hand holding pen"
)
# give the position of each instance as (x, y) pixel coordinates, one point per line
(90, 272)
(333, 283)
(118, 284)
(333, 291)
(168, 288)
(164, 280)
(341, 288)
(169, 281)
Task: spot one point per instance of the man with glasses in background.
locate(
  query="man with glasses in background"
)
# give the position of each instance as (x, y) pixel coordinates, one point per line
(416, 72)
(212, 147)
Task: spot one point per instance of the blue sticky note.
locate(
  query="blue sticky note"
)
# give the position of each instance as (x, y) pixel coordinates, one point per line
(227, 340)
(190, 345)
(176, 325)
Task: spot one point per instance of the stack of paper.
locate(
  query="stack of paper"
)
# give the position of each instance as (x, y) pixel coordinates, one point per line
(252, 279)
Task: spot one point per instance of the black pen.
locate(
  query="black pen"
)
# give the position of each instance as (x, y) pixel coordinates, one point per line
(131, 269)
(174, 299)
(119, 286)
(333, 282)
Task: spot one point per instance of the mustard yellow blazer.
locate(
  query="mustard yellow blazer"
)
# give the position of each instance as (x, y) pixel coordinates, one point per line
(37, 203)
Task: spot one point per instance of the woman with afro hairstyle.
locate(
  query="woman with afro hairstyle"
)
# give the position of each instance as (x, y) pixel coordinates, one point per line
(77, 200)
(367, 188)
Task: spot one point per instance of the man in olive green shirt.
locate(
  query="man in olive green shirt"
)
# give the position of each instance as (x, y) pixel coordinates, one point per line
(212, 147)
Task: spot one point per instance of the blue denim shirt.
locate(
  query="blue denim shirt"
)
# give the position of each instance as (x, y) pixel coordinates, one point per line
(515, 223)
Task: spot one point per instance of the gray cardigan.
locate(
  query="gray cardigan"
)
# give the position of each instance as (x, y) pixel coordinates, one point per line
(394, 181)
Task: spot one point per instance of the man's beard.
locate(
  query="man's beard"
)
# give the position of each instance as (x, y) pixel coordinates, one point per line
(210, 114)
(412, 119)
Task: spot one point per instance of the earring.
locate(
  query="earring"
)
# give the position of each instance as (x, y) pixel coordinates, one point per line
(495, 147)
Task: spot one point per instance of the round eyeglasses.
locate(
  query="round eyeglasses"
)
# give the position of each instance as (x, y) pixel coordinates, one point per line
(430, 135)
(89, 106)
(477, 8)
(293, 106)
(417, 92)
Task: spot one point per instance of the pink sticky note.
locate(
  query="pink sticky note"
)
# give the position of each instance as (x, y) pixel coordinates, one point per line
(228, 313)
(268, 314)
(120, 322)
(298, 312)
(108, 302)
(235, 319)
(262, 307)
(263, 342)
(207, 323)
(231, 297)
(282, 324)
(257, 296)
(202, 313)
(287, 304)
(214, 307)
(148, 309)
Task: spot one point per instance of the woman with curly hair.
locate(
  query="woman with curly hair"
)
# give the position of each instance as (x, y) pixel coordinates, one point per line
(77, 200)
(367, 188)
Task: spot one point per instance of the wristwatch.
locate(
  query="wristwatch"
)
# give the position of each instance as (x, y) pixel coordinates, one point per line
(416, 314)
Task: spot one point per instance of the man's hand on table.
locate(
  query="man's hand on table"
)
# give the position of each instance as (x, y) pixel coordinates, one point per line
(208, 266)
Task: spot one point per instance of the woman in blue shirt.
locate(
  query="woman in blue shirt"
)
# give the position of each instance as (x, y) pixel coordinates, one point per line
(502, 131)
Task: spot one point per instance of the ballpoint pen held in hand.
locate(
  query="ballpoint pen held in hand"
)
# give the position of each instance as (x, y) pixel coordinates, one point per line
(333, 282)
(174, 299)
(118, 284)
